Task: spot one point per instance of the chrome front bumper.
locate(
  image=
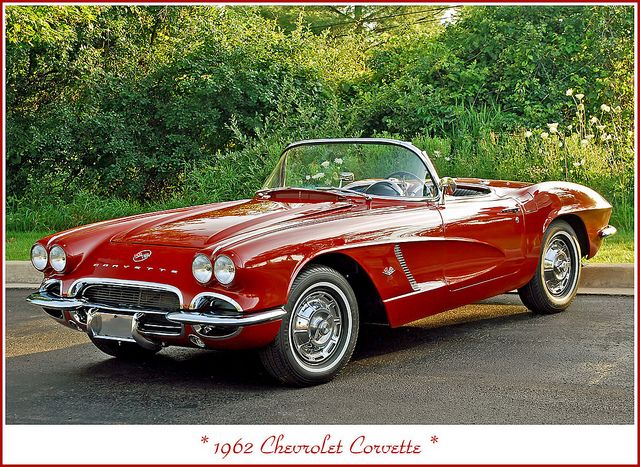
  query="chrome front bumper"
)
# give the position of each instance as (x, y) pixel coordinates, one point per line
(46, 299)
(607, 231)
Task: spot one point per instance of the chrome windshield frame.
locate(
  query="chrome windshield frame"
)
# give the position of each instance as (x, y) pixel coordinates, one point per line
(422, 155)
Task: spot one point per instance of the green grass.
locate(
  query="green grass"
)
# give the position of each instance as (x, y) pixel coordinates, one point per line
(617, 249)
(18, 246)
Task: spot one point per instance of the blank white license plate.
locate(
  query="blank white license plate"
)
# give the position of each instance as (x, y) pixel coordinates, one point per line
(112, 326)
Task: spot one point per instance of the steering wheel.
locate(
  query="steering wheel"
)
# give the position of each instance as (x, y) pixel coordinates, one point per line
(384, 188)
(409, 190)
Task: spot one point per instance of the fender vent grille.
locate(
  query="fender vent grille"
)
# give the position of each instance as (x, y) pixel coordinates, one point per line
(405, 268)
(132, 297)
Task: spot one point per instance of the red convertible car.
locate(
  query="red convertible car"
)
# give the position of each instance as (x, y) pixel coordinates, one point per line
(344, 231)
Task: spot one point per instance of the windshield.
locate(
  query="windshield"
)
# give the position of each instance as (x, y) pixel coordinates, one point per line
(370, 168)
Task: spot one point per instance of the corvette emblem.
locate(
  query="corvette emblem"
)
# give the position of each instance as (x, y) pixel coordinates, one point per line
(388, 271)
(141, 255)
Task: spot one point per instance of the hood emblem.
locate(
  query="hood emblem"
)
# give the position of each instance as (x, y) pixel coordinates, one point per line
(141, 255)
(388, 271)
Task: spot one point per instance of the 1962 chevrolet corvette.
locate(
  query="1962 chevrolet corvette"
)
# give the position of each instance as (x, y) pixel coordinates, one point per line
(344, 231)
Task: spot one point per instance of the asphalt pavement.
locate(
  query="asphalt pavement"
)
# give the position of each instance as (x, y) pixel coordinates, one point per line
(489, 363)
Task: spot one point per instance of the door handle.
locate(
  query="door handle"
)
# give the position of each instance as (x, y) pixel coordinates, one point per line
(510, 210)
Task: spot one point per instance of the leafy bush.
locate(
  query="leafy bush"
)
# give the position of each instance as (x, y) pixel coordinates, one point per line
(114, 110)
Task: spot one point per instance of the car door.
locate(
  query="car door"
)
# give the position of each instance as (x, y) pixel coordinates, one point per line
(483, 240)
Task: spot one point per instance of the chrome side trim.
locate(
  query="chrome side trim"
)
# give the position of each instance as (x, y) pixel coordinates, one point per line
(608, 231)
(405, 268)
(201, 297)
(77, 285)
(219, 320)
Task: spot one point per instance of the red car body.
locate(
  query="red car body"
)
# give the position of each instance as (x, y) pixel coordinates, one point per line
(414, 258)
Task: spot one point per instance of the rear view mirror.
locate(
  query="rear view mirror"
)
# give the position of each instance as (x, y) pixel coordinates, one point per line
(447, 186)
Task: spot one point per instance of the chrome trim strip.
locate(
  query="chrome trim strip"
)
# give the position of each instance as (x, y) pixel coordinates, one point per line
(119, 339)
(218, 320)
(608, 231)
(72, 292)
(47, 300)
(405, 268)
(198, 299)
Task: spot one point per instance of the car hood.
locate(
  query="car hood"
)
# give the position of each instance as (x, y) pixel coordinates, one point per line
(199, 228)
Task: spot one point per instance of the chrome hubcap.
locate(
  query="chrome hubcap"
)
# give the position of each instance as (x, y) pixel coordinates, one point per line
(316, 327)
(559, 268)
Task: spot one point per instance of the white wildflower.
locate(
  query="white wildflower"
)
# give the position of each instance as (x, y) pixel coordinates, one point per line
(560, 144)
(437, 153)
(584, 142)
(307, 177)
(600, 127)
(569, 92)
(318, 175)
(605, 108)
(594, 120)
(609, 137)
(569, 127)
(325, 164)
(553, 127)
(447, 159)
(528, 134)
(603, 137)
(589, 136)
(544, 135)
(577, 164)
(579, 96)
(338, 160)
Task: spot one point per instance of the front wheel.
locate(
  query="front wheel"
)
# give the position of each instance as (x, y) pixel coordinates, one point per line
(319, 332)
(555, 283)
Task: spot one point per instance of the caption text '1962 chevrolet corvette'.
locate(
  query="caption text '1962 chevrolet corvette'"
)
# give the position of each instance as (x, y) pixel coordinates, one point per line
(344, 231)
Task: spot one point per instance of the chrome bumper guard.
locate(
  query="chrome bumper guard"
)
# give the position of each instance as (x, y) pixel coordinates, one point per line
(46, 299)
(608, 231)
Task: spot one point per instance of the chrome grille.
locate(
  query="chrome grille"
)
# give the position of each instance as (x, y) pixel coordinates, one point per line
(158, 325)
(131, 297)
(405, 268)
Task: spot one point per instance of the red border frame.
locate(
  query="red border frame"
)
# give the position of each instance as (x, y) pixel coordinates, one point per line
(291, 2)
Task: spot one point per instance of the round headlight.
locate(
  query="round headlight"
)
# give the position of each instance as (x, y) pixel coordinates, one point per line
(58, 258)
(39, 257)
(224, 269)
(202, 268)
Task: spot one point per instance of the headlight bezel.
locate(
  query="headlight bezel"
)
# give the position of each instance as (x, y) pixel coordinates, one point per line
(224, 269)
(56, 261)
(204, 261)
(46, 257)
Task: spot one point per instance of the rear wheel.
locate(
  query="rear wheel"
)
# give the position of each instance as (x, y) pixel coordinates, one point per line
(123, 350)
(319, 332)
(555, 283)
